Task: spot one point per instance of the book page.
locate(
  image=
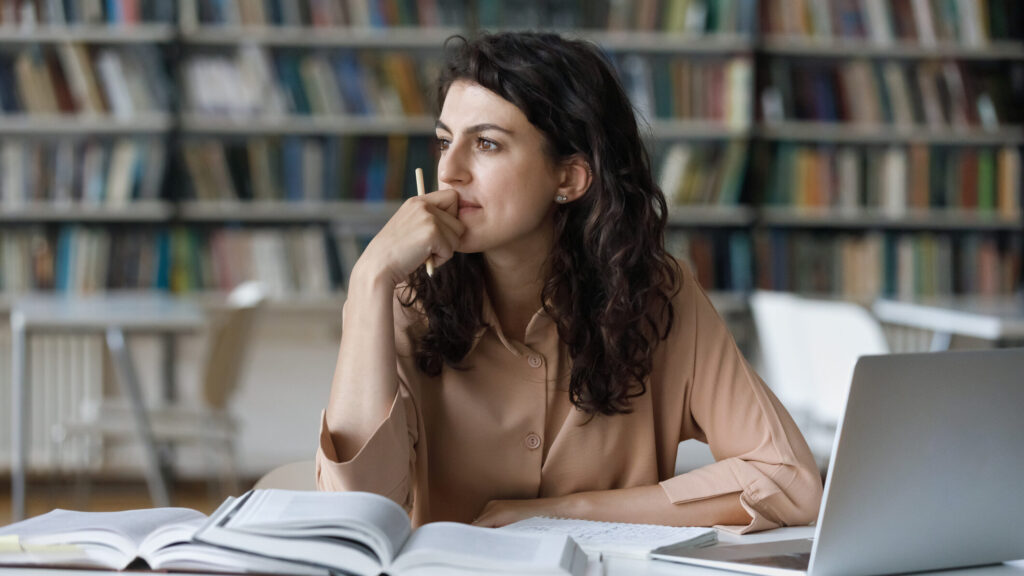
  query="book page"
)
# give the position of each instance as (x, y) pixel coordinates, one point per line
(373, 520)
(468, 547)
(107, 539)
(616, 538)
(171, 547)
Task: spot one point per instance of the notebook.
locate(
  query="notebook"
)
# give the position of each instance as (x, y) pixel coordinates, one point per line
(618, 538)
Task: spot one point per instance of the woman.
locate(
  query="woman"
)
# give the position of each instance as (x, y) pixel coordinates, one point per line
(558, 355)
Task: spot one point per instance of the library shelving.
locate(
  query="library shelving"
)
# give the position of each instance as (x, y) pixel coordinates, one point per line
(802, 145)
(888, 143)
(336, 76)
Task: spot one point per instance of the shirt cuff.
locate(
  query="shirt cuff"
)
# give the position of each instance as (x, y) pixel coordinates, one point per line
(730, 476)
(381, 466)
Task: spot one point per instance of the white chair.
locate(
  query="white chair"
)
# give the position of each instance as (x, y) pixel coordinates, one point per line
(208, 425)
(299, 475)
(809, 349)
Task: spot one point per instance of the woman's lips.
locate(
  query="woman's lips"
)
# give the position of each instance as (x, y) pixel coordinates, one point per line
(467, 206)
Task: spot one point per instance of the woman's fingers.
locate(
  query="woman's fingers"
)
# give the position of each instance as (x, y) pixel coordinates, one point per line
(446, 200)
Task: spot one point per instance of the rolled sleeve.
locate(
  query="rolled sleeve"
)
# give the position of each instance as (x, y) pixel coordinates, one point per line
(773, 495)
(382, 465)
(760, 452)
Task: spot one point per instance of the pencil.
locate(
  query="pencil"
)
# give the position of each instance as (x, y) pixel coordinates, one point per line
(420, 191)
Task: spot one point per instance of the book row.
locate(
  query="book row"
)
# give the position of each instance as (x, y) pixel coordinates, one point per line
(74, 78)
(26, 13)
(721, 259)
(972, 23)
(716, 89)
(97, 172)
(678, 16)
(301, 260)
(896, 179)
(313, 261)
(702, 173)
(931, 93)
(863, 266)
(334, 168)
(252, 82)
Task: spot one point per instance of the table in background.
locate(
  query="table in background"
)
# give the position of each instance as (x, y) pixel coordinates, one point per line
(998, 319)
(114, 316)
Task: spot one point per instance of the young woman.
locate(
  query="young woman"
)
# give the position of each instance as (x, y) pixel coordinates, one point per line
(558, 355)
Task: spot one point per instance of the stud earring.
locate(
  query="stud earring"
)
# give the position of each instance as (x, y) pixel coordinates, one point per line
(561, 198)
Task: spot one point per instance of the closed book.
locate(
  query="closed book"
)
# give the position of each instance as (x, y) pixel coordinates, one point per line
(78, 71)
(986, 180)
(1010, 182)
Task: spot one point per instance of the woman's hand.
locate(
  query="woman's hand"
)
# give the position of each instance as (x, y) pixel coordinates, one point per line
(423, 226)
(498, 513)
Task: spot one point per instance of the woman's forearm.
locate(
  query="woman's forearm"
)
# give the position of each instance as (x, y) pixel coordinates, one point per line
(650, 505)
(365, 378)
(640, 505)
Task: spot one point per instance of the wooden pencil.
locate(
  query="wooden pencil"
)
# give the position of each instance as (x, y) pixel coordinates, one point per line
(420, 191)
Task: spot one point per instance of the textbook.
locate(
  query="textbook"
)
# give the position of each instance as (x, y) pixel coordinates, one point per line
(160, 537)
(367, 534)
(618, 538)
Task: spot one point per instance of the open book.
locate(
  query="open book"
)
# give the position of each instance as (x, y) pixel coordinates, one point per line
(161, 537)
(366, 534)
(618, 538)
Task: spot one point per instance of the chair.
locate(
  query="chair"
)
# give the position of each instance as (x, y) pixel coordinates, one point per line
(299, 475)
(809, 349)
(208, 425)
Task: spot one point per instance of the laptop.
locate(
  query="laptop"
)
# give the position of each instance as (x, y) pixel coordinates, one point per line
(926, 473)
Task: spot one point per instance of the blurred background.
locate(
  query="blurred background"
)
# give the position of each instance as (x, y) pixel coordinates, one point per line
(185, 185)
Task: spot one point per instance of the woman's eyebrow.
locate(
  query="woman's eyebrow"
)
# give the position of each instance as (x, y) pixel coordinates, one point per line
(476, 128)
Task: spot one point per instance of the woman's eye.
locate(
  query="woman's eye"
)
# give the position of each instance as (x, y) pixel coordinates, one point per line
(486, 145)
(443, 143)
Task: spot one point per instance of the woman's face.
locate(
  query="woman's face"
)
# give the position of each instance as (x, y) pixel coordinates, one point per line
(494, 158)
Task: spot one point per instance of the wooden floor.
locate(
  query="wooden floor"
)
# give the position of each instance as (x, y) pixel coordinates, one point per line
(45, 494)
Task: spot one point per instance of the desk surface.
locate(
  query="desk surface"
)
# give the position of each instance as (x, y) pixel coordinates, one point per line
(128, 311)
(610, 567)
(989, 318)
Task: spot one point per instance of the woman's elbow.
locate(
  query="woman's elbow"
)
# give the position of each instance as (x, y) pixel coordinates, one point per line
(805, 495)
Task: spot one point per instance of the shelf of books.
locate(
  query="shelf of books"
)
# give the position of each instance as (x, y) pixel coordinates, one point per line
(888, 140)
(86, 108)
(281, 100)
(284, 133)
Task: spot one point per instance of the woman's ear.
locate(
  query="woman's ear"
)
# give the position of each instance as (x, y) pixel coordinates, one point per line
(576, 178)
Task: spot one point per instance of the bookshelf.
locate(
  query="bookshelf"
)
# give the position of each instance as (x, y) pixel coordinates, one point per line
(748, 105)
(889, 137)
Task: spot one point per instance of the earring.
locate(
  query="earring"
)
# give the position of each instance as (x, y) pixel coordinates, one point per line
(561, 198)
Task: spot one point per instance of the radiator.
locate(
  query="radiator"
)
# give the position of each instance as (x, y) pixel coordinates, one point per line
(65, 373)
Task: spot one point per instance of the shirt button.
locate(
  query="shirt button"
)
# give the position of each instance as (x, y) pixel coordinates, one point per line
(535, 361)
(532, 441)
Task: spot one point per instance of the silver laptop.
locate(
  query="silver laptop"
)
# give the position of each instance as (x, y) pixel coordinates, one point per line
(927, 473)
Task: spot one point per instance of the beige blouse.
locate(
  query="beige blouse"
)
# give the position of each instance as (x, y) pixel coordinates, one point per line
(505, 429)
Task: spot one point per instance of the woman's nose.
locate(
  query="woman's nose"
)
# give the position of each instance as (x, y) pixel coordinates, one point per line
(451, 167)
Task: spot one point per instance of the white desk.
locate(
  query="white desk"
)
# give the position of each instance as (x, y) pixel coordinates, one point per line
(113, 315)
(997, 319)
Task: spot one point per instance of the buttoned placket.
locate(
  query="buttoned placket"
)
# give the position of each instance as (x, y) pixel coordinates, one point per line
(536, 373)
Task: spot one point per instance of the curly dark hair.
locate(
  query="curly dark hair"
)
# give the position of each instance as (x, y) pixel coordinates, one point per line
(609, 280)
